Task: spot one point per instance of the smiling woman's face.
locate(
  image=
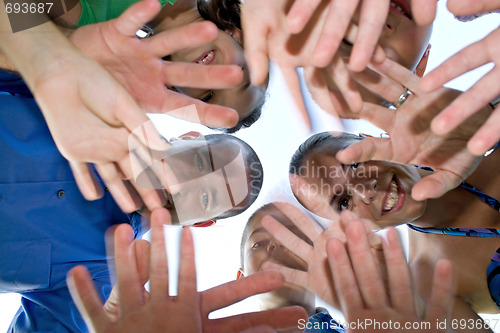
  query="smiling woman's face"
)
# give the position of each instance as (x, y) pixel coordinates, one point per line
(377, 190)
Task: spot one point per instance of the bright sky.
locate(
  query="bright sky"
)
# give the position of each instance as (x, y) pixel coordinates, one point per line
(275, 137)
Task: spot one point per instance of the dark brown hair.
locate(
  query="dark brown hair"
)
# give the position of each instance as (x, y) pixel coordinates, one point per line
(224, 13)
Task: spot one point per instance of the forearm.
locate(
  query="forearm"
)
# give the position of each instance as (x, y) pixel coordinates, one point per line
(36, 51)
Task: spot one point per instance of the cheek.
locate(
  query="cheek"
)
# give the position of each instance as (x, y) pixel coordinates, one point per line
(363, 211)
(233, 52)
(407, 44)
(414, 210)
(411, 53)
(188, 207)
(253, 261)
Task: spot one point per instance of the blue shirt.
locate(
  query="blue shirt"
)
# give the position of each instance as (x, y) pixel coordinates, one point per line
(322, 322)
(46, 225)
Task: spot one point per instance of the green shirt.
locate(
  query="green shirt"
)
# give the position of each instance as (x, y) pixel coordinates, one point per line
(95, 11)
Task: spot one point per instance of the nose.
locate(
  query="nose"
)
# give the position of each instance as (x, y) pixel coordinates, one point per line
(389, 28)
(271, 247)
(364, 188)
(275, 248)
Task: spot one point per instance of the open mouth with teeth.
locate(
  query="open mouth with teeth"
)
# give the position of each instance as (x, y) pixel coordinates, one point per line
(206, 58)
(395, 197)
(401, 8)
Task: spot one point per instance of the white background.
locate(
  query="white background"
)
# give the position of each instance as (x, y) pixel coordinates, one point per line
(275, 137)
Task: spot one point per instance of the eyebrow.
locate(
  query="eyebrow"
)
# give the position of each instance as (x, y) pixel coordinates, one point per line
(334, 197)
(261, 229)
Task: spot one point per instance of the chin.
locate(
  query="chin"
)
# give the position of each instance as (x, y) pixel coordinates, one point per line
(285, 296)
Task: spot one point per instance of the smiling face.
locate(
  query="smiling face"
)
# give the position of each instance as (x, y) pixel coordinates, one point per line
(259, 246)
(377, 190)
(226, 49)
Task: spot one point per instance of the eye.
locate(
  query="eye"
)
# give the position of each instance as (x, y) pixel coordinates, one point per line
(260, 244)
(207, 97)
(204, 200)
(344, 203)
(355, 166)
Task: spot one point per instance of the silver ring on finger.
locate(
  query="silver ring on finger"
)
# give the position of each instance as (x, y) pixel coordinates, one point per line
(402, 98)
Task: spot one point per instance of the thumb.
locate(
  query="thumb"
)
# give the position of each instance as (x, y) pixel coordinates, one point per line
(435, 185)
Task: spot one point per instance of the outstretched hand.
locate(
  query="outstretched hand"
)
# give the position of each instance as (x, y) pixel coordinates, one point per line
(336, 26)
(138, 66)
(134, 310)
(364, 296)
(473, 56)
(91, 109)
(317, 279)
(411, 140)
(267, 37)
(307, 34)
(476, 98)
